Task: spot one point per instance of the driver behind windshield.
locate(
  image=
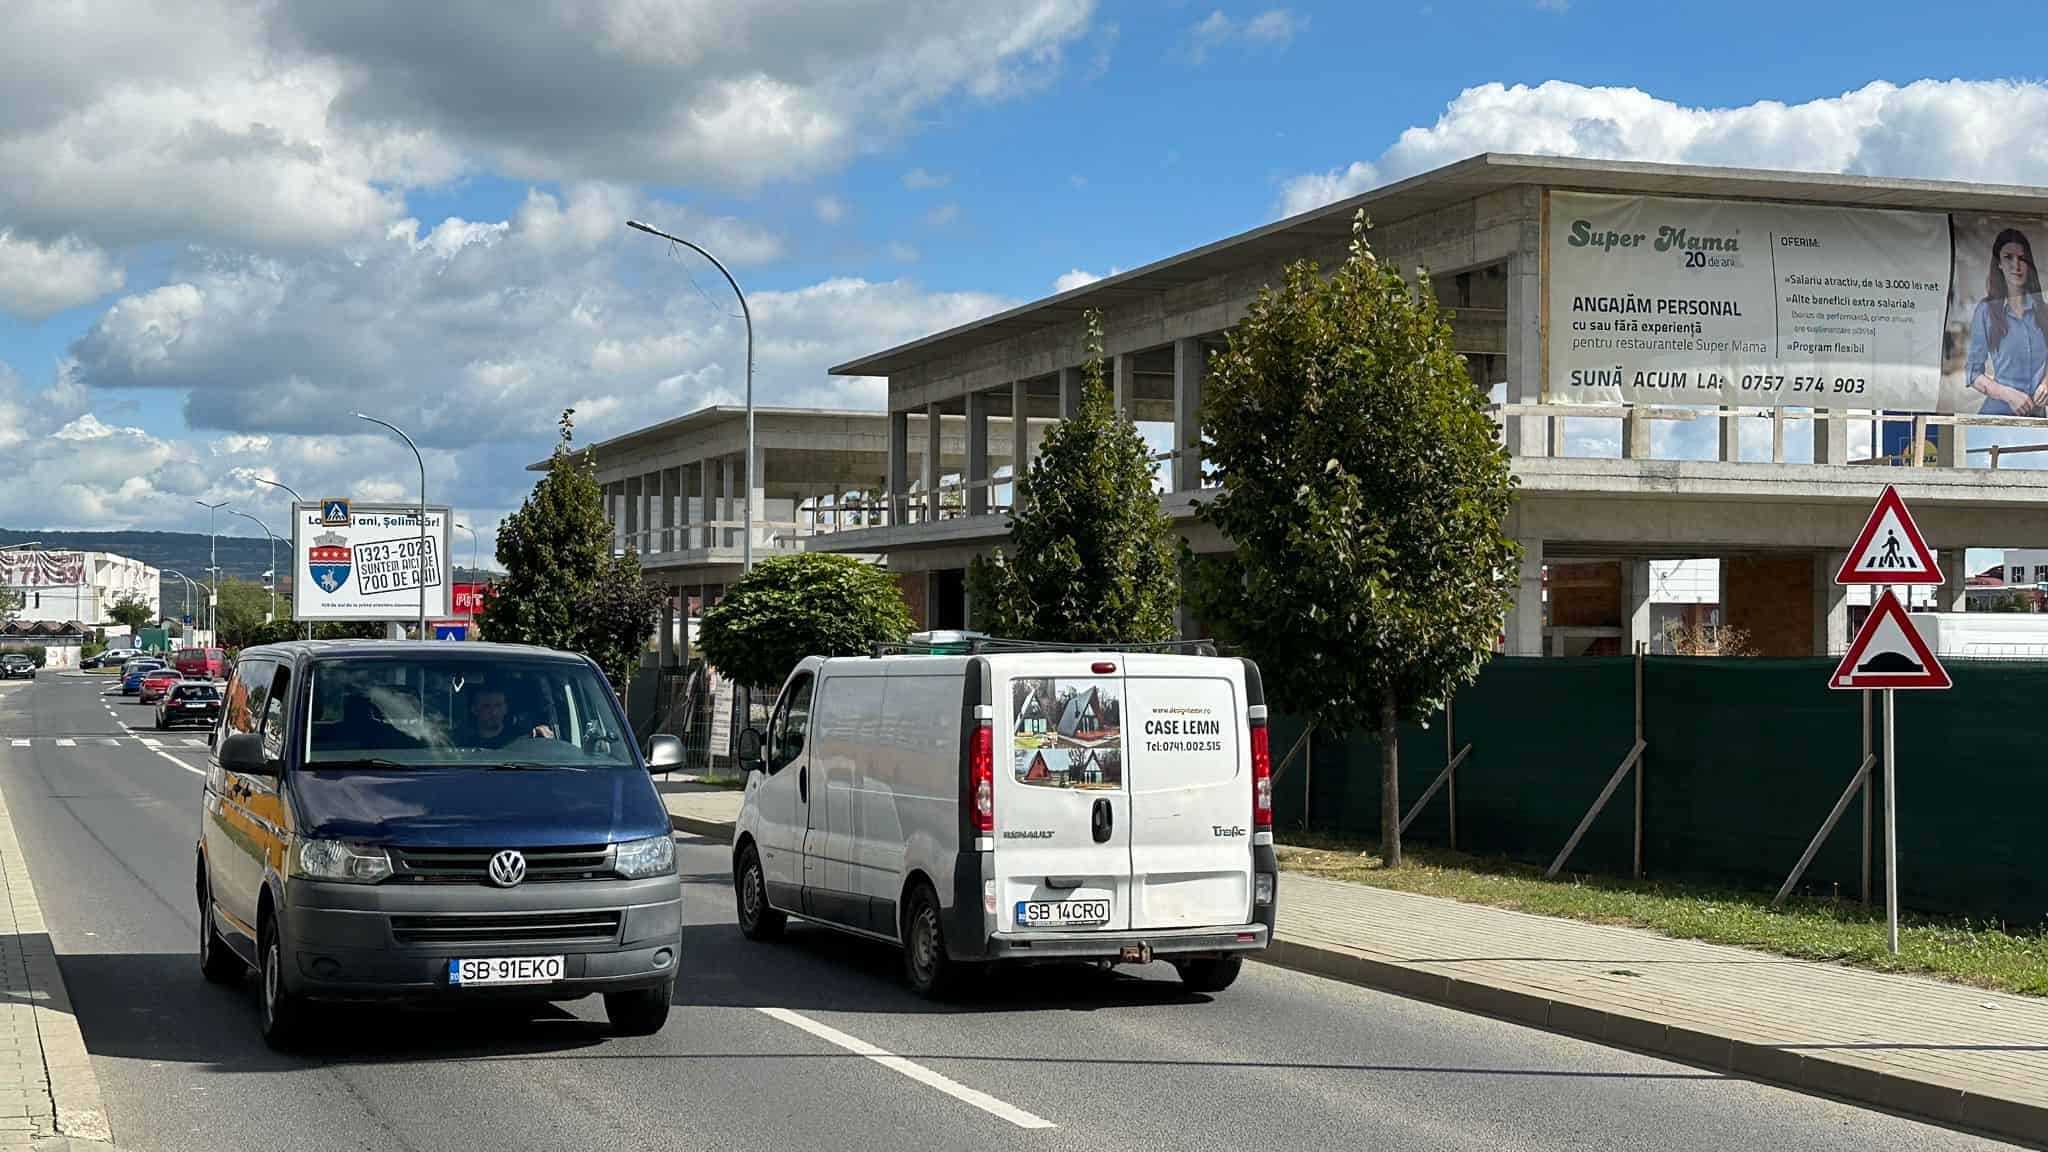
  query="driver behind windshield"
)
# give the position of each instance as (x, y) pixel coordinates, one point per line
(488, 723)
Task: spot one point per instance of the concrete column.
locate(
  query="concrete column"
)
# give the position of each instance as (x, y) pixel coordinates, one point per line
(1953, 594)
(1731, 435)
(728, 488)
(1635, 437)
(1189, 364)
(757, 504)
(659, 518)
(1020, 437)
(898, 480)
(685, 533)
(615, 511)
(977, 452)
(1635, 604)
(1525, 620)
(934, 452)
(1070, 393)
(1831, 446)
(664, 644)
(1124, 385)
(1830, 604)
(1952, 452)
(1526, 435)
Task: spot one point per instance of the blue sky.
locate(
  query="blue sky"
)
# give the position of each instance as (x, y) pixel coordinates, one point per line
(224, 223)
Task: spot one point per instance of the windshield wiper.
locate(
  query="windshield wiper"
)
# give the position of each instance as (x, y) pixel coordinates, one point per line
(363, 762)
(534, 766)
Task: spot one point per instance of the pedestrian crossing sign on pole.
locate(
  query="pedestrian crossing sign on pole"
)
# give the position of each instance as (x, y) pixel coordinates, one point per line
(1890, 549)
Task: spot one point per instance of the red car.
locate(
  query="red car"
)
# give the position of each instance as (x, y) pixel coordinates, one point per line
(158, 682)
(201, 663)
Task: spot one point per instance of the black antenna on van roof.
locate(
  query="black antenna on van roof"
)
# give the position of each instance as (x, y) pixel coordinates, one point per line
(976, 643)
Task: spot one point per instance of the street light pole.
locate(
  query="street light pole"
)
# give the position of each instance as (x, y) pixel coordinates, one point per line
(188, 590)
(473, 569)
(296, 501)
(273, 558)
(213, 569)
(746, 538)
(422, 558)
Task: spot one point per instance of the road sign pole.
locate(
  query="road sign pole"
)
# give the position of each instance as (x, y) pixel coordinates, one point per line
(1891, 833)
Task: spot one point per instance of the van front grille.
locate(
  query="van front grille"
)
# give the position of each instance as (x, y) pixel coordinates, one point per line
(472, 865)
(507, 928)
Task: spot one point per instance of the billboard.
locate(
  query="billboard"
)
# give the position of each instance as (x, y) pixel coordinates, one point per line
(1997, 348)
(41, 569)
(371, 568)
(469, 598)
(1654, 300)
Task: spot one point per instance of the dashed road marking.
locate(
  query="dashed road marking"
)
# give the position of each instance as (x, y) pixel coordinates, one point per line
(20, 743)
(912, 1069)
(67, 743)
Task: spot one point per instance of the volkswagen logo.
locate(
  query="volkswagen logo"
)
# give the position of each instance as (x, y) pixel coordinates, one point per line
(508, 868)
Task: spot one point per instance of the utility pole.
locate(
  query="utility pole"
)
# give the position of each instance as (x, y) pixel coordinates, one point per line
(213, 570)
(422, 557)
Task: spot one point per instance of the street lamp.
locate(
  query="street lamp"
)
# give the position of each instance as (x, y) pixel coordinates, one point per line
(422, 558)
(24, 545)
(473, 569)
(747, 538)
(213, 570)
(296, 501)
(273, 558)
(188, 591)
(286, 487)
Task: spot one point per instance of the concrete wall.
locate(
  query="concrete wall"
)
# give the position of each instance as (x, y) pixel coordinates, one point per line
(1769, 597)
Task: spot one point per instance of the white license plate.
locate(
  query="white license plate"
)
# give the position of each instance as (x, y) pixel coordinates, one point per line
(197, 707)
(504, 970)
(1061, 913)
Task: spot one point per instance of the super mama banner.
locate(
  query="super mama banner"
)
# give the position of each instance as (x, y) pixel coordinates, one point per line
(1675, 301)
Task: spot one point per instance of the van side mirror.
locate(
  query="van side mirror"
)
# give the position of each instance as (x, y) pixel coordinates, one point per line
(663, 752)
(750, 749)
(242, 753)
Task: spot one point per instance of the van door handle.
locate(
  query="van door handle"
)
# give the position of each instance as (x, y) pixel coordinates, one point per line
(803, 783)
(1102, 822)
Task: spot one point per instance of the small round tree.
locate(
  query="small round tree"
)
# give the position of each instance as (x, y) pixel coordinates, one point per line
(790, 607)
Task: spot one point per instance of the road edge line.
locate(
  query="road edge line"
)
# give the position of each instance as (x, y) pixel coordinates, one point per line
(929, 1077)
(76, 1107)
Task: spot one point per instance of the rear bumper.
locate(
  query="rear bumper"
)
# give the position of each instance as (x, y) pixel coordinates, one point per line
(1110, 945)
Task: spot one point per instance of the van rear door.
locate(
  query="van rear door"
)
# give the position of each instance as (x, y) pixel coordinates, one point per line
(1187, 767)
(1063, 827)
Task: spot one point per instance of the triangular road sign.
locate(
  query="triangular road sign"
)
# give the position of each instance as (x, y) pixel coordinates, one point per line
(1890, 549)
(1889, 653)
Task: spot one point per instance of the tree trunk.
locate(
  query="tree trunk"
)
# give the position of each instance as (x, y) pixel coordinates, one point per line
(1390, 782)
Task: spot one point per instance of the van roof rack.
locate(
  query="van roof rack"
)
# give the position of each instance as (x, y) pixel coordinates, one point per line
(953, 642)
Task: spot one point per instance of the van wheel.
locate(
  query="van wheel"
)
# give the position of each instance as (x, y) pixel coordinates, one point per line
(217, 962)
(1211, 975)
(926, 967)
(758, 921)
(284, 1012)
(640, 1012)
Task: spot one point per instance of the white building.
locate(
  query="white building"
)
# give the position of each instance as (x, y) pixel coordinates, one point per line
(62, 587)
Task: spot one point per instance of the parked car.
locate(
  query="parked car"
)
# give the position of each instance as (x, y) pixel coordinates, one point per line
(113, 658)
(409, 821)
(201, 663)
(17, 666)
(189, 702)
(155, 684)
(132, 673)
(1016, 803)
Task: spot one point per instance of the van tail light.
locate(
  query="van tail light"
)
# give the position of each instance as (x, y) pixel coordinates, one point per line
(1262, 778)
(982, 775)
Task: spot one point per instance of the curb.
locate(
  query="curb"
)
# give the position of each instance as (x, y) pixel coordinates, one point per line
(1767, 1063)
(76, 1112)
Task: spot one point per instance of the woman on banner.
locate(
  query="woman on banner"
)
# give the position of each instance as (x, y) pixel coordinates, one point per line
(2009, 333)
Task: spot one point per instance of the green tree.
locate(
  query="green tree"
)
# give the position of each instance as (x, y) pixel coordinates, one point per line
(790, 607)
(563, 588)
(1092, 558)
(132, 612)
(243, 604)
(1365, 491)
(11, 601)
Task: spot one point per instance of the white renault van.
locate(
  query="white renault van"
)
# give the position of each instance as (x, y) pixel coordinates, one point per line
(1017, 802)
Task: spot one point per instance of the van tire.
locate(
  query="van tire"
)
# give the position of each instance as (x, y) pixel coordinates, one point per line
(926, 967)
(283, 1011)
(1213, 974)
(757, 920)
(640, 1012)
(217, 961)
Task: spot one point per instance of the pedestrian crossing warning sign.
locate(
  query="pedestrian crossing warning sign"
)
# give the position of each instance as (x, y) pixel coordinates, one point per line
(1889, 653)
(334, 513)
(1890, 549)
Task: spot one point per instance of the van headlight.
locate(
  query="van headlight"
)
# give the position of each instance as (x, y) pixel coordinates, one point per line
(639, 859)
(347, 863)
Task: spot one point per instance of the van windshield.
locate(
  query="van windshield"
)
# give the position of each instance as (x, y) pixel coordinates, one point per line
(461, 711)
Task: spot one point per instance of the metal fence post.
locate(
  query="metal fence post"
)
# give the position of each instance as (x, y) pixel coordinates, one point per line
(1640, 647)
(1450, 758)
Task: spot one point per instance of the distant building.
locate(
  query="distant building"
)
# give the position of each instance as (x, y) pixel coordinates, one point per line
(81, 587)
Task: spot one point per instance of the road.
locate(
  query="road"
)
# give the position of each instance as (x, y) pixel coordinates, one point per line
(775, 1046)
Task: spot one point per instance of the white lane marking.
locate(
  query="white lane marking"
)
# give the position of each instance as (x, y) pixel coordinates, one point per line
(149, 743)
(111, 743)
(190, 742)
(21, 743)
(915, 1071)
(67, 743)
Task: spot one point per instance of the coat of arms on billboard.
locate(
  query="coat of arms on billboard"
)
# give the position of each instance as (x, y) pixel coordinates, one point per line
(329, 560)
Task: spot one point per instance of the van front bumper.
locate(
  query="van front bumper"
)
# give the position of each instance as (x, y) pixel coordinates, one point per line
(1162, 943)
(354, 942)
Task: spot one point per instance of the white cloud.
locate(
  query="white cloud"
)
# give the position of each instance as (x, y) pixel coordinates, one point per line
(902, 253)
(1273, 26)
(918, 179)
(830, 209)
(944, 216)
(38, 279)
(1554, 5)
(1080, 278)
(1980, 130)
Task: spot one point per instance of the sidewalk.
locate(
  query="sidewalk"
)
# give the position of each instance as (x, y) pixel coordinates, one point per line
(47, 1086)
(1922, 1047)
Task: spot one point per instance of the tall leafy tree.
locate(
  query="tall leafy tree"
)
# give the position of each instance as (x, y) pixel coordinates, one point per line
(131, 612)
(1365, 490)
(790, 607)
(563, 588)
(1092, 558)
(11, 601)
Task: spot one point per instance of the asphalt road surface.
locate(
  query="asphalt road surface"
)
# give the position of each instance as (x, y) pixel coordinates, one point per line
(807, 1043)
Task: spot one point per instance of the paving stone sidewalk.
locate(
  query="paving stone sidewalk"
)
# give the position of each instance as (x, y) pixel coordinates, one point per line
(1919, 1046)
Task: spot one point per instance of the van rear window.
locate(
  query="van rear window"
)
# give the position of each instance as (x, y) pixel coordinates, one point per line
(1068, 733)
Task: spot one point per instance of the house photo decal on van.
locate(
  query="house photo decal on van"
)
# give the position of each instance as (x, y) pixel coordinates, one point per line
(1068, 734)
